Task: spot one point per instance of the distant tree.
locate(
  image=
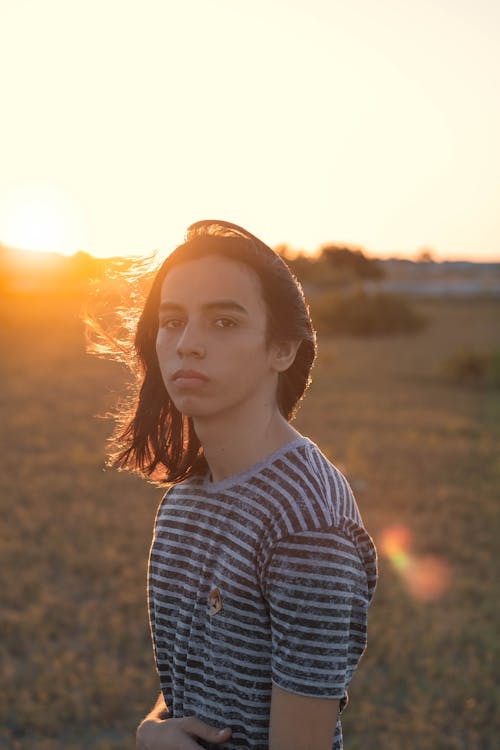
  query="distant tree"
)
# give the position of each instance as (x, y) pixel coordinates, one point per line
(77, 269)
(284, 250)
(353, 260)
(303, 266)
(83, 264)
(425, 255)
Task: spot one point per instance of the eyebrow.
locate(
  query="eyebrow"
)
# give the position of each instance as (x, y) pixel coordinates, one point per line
(220, 304)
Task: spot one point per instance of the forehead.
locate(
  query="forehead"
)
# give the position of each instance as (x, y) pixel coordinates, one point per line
(198, 282)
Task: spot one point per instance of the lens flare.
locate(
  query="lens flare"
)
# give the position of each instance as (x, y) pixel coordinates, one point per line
(426, 577)
(396, 543)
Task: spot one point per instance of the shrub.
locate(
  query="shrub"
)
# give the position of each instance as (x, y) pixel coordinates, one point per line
(363, 314)
(353, 260)
(335, 268)
(469, 367)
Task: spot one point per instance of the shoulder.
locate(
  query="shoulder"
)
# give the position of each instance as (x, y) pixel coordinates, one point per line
(179, 494)
(316, 492)
(314, 507)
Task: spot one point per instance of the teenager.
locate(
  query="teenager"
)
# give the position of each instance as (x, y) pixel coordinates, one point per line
(261, 570)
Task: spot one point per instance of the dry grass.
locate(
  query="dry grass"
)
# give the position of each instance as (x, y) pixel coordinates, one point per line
(77, 667)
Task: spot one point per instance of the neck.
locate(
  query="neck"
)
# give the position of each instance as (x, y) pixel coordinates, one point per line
(234, 443)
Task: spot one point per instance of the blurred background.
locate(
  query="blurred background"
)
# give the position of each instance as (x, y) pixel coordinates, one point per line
(361, 141)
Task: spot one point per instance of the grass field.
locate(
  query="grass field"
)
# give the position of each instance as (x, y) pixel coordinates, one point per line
(77, 666)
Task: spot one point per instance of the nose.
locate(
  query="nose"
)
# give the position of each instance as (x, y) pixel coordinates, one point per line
(190, 343)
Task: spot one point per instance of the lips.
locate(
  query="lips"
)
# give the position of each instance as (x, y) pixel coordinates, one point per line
(189, 375)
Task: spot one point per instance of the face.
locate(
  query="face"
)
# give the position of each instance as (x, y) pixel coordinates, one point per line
(211, 342)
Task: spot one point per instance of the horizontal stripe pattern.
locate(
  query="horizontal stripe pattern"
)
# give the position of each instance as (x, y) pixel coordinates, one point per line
(285, 545)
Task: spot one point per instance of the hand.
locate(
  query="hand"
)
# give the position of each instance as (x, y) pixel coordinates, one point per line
(177, 734)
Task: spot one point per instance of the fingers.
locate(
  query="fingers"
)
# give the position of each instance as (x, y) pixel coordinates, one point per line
(178, 734)
(223, 735)
(199, 728)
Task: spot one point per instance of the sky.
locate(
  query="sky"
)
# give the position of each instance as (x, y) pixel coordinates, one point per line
(373, 123)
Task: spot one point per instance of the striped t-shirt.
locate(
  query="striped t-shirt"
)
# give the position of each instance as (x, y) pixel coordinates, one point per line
(262, 577)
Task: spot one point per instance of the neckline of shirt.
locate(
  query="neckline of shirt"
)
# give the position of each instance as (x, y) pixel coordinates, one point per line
(242, 476)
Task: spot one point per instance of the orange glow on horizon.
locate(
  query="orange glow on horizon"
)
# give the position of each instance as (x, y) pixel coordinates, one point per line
(38, 230)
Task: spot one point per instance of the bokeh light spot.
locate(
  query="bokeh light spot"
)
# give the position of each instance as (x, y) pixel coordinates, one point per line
(425, 577)
(400, 560)
(395, 540)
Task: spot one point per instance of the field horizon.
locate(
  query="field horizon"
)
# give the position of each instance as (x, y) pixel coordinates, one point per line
(13, 255)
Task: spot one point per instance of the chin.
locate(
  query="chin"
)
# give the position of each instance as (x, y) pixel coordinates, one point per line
(189, 408)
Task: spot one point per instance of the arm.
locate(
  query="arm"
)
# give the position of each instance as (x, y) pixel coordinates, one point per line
(315, 587)
(299, 722)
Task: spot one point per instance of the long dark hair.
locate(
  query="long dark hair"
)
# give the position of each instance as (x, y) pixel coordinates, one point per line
(151, 436)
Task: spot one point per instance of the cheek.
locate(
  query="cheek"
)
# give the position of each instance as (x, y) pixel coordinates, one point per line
(162, 350)
(163, 342)
(158, 348)
(246, 362)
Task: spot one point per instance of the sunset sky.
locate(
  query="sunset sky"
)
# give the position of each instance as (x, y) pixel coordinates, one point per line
(370, 122)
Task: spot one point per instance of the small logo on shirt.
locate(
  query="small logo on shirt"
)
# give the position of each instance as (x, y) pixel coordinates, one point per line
(215, 601)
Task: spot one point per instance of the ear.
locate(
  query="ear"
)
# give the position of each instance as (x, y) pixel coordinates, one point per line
(284, 355)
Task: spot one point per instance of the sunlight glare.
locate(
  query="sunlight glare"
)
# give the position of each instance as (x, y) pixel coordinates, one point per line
(38, 216)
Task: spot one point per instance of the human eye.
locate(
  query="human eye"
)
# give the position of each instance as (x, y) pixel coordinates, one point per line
(225, 323)
(171, 323)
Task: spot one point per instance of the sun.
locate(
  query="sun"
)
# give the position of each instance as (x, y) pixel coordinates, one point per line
(40, 216)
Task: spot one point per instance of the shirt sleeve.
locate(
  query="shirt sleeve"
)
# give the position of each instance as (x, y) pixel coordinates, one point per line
(317, 593)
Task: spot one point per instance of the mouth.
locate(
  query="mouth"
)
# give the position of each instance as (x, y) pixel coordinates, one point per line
(189, 377)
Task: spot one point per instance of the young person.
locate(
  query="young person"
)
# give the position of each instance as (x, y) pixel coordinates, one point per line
(261, 570)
